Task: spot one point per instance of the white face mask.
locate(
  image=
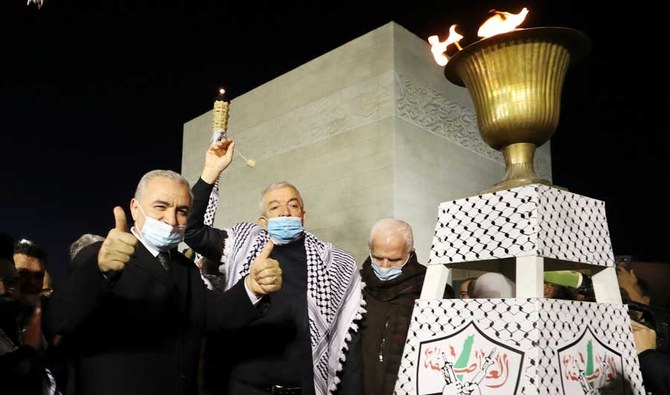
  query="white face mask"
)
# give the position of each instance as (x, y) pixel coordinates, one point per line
(284, 230)
(160, 235)
(388, 273)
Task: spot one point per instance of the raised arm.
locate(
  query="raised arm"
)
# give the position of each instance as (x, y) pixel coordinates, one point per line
(205, 239)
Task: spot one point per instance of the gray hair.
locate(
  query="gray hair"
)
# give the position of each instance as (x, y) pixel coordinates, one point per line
(393, 225)
(274, 186)
(146, 179)
(83, 241)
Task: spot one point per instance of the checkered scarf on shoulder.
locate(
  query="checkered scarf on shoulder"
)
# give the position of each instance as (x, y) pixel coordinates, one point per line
(334, 296)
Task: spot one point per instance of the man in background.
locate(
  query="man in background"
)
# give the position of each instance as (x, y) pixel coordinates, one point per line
(30, 260)
(466, 287)
(83, 241)
(393, 280)
(22, 366)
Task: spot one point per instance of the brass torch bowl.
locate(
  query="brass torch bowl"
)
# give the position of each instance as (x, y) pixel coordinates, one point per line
(515, 80)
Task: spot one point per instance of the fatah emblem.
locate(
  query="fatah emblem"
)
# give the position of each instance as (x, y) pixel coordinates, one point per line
(468, 362)
(590, 367)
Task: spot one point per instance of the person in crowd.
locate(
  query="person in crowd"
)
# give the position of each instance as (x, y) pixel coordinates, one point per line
(83, 241)
(654, 364)
(9, 306)
(22, 366)
(134, 310)
(493, 285)
(635, 288)
(555, 291)
(635, 292)
(466, 287)
(60, 347)
(393, 280)
(30, 260)
(300, 344)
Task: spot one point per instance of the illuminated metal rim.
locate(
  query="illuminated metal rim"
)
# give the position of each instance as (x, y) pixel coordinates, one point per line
(575, 41)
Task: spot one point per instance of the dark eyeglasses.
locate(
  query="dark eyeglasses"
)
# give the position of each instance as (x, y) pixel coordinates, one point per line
(30, 275)
(11, 282)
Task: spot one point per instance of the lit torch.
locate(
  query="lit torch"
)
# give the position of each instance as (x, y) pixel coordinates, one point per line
(220, 123)
(220, 117)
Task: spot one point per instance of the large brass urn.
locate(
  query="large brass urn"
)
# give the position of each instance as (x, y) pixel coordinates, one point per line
(515, 80)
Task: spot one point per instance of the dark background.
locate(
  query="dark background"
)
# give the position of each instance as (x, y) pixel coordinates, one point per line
(94, 94)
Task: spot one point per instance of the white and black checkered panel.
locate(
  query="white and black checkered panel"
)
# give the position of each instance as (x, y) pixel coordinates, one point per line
(562, 321)
(532, 220)
(494, 225)
(537, 327)
(573, 228)
(510, 321)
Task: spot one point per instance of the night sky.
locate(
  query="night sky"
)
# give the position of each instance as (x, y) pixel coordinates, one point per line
(93, 95)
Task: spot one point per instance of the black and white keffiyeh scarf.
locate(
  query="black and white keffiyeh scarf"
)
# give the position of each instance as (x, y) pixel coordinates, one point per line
(334, 295)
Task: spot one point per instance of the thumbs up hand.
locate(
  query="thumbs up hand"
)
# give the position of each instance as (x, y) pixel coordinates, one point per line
(118, 246)
(265, 275)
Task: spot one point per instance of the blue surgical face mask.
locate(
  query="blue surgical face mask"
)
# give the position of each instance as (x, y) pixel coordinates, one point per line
(284, 230)
(387, 273)
(160, 235)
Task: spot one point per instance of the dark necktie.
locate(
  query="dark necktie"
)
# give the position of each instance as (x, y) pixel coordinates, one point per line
(164, 258)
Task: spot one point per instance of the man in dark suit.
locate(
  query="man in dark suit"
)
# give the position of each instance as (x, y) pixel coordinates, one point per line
(134, 313)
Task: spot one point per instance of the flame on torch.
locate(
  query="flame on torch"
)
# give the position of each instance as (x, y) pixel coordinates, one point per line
(220, 123)
(500, 22)
(220, 116)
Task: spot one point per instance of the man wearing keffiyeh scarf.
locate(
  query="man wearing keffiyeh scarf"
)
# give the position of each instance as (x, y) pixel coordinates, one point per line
(301, 344)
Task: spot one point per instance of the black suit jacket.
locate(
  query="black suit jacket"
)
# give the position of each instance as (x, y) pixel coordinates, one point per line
(140, 331)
